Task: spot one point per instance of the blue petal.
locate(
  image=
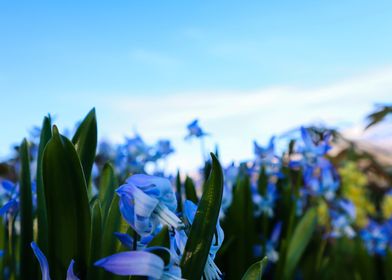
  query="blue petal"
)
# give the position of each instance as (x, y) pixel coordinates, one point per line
(70, 273)
(133, 263)
(43, 262)
(8, 186)
(125, 239)
(9, 205)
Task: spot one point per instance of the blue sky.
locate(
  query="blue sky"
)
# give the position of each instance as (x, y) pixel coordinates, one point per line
(246, 69)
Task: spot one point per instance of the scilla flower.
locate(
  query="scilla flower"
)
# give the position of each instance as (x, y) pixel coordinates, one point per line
(146, 201)
(43, 262)
(211, 271)
(194, 130)
(136, 263)
(144, 262)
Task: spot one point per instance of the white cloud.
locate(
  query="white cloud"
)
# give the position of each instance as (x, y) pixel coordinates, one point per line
(235, 118)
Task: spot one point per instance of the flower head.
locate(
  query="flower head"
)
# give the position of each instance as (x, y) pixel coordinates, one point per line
(194, 130)
(146, 201)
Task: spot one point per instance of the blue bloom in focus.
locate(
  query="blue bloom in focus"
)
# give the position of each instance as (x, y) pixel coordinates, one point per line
(43, 262)
(134, 263)
(143, 262)
(146, 201)
(194, 130)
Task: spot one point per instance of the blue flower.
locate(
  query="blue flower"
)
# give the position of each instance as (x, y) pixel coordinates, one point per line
(272, 243)
(375, 238)
(321, 179)
(146, 201)
(266, 157)
(163, 149)
(194, 130)
(266, 204)
(133, 263)
(342, 217)
(311, 150)
(144, 262)
(43, 262)
(9, 195)
(211, 271)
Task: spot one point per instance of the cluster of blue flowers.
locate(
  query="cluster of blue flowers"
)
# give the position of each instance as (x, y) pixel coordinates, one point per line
(149, 204)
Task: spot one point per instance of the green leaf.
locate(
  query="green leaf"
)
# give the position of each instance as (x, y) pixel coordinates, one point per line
(46, 134)
(96, 239)
(179, 192)
(240, 225)
(85, 141)
(27, 267)
(162, 239)
(255, 271)
(298, 242)
(107, 185)
(112, 224)
(204, 225)
(68, 210)
(190, 191)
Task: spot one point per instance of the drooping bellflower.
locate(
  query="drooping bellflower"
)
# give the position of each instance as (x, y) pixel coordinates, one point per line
(146, 201)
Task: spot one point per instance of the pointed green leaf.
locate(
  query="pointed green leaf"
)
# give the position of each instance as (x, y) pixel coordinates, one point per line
(179, 192)
(85, 141)
(27, 267)
(46, 134)
(190, 191)
(68, 210)
(255, 271)
(107, 185)
(96, 240)
(299, 241)
(204, 225)
(113, 223)
(240, 225)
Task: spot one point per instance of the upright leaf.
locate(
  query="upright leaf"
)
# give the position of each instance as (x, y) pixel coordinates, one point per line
(255, 271)
(46, 134)
(179, 192)
(85, 141)
(68, 210)
(107, 185)
(112, 224)
(204, 225)
(240, 226)
(190, 191)
(298, 242)
(27, 267)
(96, 240)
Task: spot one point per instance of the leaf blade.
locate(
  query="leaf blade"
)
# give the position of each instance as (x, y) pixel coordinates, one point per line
(204, 225)
(68, 210)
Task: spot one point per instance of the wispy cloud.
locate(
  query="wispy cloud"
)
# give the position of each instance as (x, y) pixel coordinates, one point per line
(235, 118)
